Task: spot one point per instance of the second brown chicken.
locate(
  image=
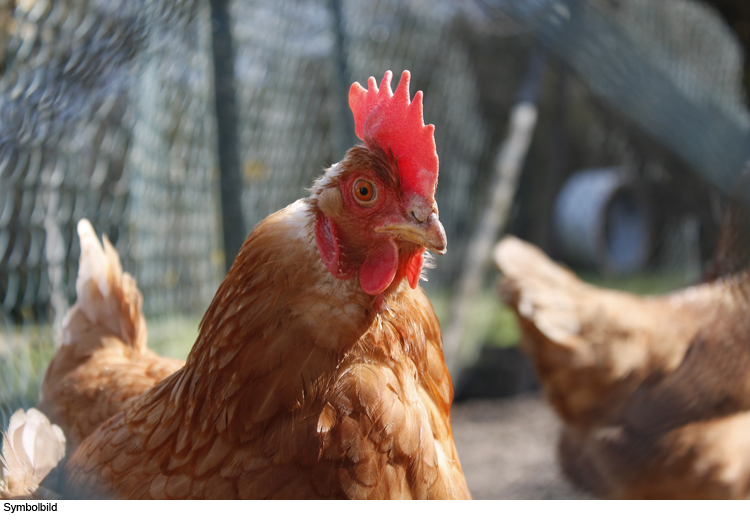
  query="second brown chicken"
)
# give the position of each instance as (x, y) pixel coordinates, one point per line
(654, 391)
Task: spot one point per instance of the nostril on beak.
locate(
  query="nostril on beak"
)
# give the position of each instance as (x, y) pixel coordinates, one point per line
(419, 215)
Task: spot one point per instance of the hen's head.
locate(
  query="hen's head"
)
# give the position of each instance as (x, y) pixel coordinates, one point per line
(376, 208)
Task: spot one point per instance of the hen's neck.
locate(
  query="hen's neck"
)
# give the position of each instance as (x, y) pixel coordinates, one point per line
(279, 323)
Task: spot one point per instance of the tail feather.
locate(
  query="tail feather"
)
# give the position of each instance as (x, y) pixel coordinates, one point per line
(102, 362)
(107, 296)
(542, 291)
(32, 448)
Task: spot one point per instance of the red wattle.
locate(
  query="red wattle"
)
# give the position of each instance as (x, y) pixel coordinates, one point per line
(379, 270)
(414, 268)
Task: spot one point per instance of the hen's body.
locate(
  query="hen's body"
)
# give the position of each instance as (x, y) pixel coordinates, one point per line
(653, 391)
(324, 391)
(103, 361)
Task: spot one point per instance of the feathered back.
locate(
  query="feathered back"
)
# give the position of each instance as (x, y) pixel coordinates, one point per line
(107, 296)
(389, 121)
(32, 447)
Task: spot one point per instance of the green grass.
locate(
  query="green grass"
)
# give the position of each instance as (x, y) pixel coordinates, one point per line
(173, 336)
(641, 284)
(26, 352)
(24, 356)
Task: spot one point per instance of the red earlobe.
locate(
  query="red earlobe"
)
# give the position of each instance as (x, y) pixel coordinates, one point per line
(414, 268)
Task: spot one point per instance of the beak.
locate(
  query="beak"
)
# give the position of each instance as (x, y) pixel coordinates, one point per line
(428, 233)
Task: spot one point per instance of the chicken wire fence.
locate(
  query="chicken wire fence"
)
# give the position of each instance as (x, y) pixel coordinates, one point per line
(107, 113)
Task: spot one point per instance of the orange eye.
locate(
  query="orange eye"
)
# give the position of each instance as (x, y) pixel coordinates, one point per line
(364, 192)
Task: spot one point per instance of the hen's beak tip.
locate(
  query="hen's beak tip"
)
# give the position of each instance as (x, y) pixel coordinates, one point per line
(429, 234)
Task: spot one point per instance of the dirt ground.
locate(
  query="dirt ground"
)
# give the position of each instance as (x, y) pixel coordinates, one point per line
(507, 449)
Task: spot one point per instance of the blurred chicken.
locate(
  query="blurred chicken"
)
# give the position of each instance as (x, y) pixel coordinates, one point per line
(653, 391)
(32, 448)
(103, 361)
(318, 371)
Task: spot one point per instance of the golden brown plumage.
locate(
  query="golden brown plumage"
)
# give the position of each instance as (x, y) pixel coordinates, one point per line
(318, 371)
(321, 393)
(103, 361)
(653, 391)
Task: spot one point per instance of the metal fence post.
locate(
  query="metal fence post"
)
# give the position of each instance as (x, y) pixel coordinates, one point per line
(233, 223)
(343, 130)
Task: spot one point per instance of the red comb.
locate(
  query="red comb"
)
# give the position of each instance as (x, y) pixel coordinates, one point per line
(390, 121)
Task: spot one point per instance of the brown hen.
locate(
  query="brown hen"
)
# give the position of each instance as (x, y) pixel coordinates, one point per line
(318, 371)
(653, 391)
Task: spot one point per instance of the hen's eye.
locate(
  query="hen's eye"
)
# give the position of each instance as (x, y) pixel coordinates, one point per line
(364, 192)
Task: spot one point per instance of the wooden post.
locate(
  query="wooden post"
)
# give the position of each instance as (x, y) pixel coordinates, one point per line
(507, 169)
